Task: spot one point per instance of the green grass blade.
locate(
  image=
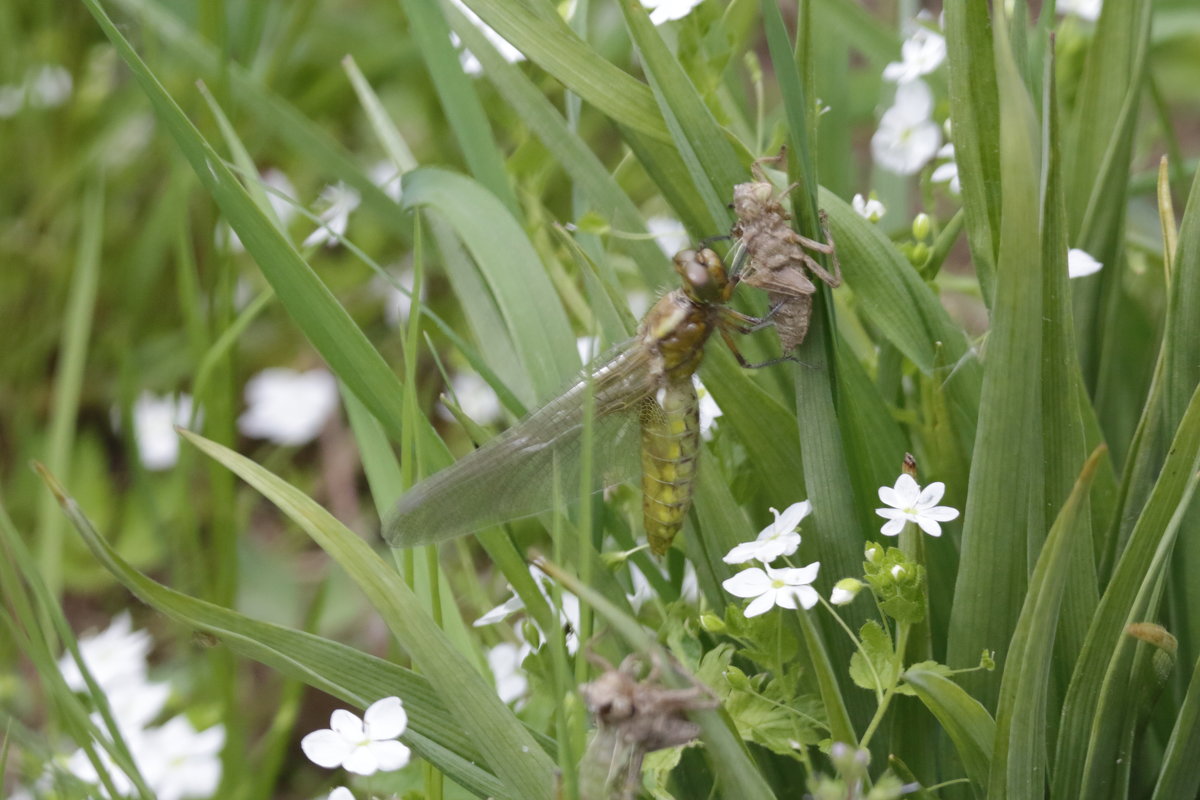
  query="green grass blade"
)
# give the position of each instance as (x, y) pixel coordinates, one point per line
(975, 111)
(510, 749)
(1019, 754)
(512, 271)
(1003, 514)
(966, 721)
(551, 44)
(459, 100)
(1175, 483)
(68, 380)
(1180, 774)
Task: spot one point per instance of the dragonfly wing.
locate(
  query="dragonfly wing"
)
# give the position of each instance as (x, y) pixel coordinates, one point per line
(515, 474)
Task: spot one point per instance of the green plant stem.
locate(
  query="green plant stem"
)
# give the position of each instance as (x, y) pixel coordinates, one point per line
(901, 643)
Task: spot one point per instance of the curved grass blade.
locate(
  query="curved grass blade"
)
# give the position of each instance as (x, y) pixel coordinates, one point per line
(965, 719)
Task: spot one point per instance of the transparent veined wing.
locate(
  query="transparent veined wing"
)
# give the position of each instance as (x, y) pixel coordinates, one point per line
(515, 474)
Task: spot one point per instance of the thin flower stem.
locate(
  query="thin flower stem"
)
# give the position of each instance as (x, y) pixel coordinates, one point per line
(901, 643)
(858, 646)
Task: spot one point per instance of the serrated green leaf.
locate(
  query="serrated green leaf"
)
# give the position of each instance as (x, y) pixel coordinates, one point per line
(874, 666)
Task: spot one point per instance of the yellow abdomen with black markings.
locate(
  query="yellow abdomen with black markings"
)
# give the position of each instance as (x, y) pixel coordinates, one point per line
(670, 446)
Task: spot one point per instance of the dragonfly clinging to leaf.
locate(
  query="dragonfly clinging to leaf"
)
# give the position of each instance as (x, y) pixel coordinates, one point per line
(643, 401)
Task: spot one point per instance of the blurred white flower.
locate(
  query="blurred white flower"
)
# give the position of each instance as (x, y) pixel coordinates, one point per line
(588, 348)
(178, 761)
(897, 571)
(340, 793)
(288, 407)
(505, 661)
(281, 197)
(689, 588)
(669, 234)
(786, 588)
(871, 209)
(568, 613)
(47, 86)
(1084, 9)
(339, 200)
(910, 503)
(907, 136)
(780, 538)
(475, 397)
(666, 10)
(947, 171)
(79, 765)
(397, 304)
(154, 421)
(12, 100)
(135, 704)
(920, 54)
(709, 410)
(115, 657)
(362, 746)
(470, 63)
(386, 176)
(1080, 263)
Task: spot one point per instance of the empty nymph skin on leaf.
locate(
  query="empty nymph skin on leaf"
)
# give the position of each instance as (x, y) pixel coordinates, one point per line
(778, 255)
(633, 718)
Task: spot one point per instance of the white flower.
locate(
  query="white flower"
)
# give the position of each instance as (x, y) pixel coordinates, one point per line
(769, 587)
(643, 590)
(947, 172)
(777, 539)
(897, 571)
(396, 293)
(845, 590)
(154, 421)
(175, 760)
(689, 587)
(362, 746)
(669, 234)
(340, 793)
(386, 176)
(1084, 9)
(178, 761)
(12, 100)
(709, 410)
(470, 63)
(666, 10)
(135, 704)
(505, 661)
(907, 136)
(920, 54)
(47, 86)
(568, 613)
(1080, 263)
(910, 503)
(288, 407)
(872, 552)
(281, 196)
(115, 657)
(339, 200)
(475, 397)
(871, 209)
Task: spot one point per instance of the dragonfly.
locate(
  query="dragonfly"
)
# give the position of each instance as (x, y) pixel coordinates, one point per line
(646, 420)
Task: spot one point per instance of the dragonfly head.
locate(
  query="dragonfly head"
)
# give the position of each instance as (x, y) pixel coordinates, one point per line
(704, 276)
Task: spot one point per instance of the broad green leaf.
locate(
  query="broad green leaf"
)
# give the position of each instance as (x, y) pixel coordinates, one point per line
(874, 666)
(1003, 514)
(506, 746)
(966, 721)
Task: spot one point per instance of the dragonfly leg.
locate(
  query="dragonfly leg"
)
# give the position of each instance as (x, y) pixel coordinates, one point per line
(741, 359)
(831, 278)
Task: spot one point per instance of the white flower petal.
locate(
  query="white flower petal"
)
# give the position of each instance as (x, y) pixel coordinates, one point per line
(748, 583)
(501, 612)
(907, 489)
(761, 604)
(746, 551)
(941, 513)
(808, 596)
(341, 793)
(385, 719)
(929, 526)
(892, 527)
(361, 761)
(347, 725)
(1080, 263)
(326, 748)
(793, 515)
(288, 407)
(891, 513)
(891, 497)
(391, 755)
(930, 495)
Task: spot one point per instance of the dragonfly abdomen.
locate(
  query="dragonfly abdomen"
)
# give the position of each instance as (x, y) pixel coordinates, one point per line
(670, 444)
